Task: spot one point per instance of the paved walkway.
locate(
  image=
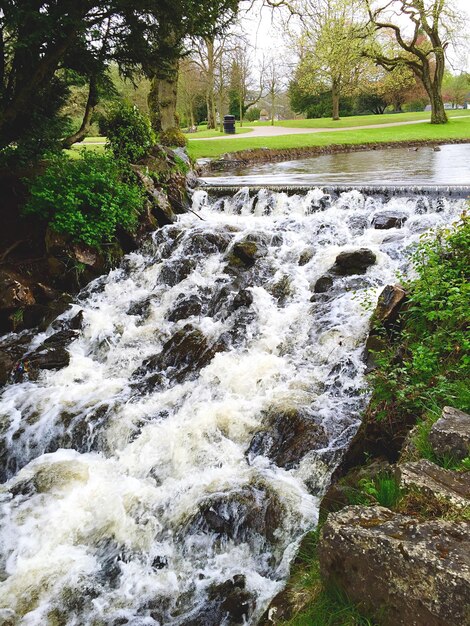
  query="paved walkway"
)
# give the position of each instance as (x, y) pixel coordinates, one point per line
(276, 131)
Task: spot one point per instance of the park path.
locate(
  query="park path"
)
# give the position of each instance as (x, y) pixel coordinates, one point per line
(276, 131)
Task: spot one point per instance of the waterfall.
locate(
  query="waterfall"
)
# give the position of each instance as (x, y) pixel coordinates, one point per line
(167, 473)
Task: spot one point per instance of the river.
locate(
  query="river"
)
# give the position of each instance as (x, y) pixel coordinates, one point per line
(167, 475)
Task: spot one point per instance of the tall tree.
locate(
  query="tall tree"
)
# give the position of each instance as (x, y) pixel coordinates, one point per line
(332, 42)
(165, 32)
(423, 30)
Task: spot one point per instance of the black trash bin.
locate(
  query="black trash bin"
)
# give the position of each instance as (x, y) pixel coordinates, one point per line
(229, 124)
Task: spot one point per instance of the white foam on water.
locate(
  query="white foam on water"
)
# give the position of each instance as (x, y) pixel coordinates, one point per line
(133, 502)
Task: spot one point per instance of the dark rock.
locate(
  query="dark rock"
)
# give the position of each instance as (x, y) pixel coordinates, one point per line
(253, 514)
(244, 253)
(288, 435)
(227, 603)
(388, 219)
(243, 298)
(173, 272)
(305, 257)
(450, 435)
(436, 482)
(358, 224)
(182, 356)
(323, 284)
(355, 262)
(12, 349)
(281, 289)
(185, 306)
(388, 307)
(159, 562)
(50, 355)
(203, 244)
(14, 292)
(385, 323)
(409, 573)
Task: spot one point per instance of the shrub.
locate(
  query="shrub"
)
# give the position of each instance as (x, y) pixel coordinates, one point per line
(253, 113)
(172, 137)
(129, 133)
(86, 198)
(433, 366)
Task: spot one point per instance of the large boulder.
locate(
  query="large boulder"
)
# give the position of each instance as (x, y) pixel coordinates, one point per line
(287, 436)
(389, 305)
(409, 573)
(385, 322)
(435, 482)
(52, 354)
(388, 219)
(354, 262)
(180, 359)
(226, 603)
(450, 435)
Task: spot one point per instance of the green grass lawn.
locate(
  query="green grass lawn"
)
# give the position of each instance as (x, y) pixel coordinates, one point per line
(203, 133)
(360, 120)
(455, 129)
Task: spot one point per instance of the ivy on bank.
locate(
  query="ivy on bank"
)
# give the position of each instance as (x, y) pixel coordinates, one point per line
(430, 368)
(86, 198)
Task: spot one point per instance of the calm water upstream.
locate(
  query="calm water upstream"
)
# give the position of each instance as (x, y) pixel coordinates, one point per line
(450, 166)
(167, 474)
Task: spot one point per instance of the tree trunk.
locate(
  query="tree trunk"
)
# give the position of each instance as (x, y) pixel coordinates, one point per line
(241, 111)
(273, 99)
(335, 98)
(162, 97)
(92, 101)
(211, 117)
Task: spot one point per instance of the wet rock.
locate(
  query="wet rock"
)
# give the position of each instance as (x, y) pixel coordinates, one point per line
(73, 323)
(203, 244)
(184, 307)
(12, 349)
(450, 435)
(252, 514)
(244, 298)
(306, 256)
(182, 356)
(410, 573)
(355, 262)
(388, 219)
(166, 240)
(244, 253)
(358, 224)
(436, 482)
(393, 238)
(389, 305)
(323, 284)
(288, 435)
(50, 355)
(385, 323)
(228, 603)
(173, 272)
(281, 289)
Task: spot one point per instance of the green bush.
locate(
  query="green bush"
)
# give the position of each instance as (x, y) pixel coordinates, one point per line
(253, 113)
(431, 368)
(129, 133)
(86, 198)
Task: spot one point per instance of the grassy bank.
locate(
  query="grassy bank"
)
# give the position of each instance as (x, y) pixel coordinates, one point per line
(455, 129)
(422, 366)
(359, 120)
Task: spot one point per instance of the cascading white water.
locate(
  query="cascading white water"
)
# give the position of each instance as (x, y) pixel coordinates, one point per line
(144, 485)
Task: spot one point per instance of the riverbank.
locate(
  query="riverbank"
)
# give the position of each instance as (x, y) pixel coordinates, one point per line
(41, 269)
(398, 508)
(285, 146)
